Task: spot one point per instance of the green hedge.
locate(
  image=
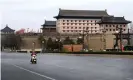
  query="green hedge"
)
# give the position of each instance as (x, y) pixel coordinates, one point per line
(114, 53)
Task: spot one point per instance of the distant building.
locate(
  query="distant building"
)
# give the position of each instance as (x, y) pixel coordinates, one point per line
(75, 21)
(93, 21)
(111, 24)
(49, 27)
(7, 30)
(21, 31)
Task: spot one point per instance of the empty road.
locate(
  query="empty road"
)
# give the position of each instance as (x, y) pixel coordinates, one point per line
(17, 66)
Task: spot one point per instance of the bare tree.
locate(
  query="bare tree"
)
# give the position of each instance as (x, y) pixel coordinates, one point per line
(131, 31)
(12, 41)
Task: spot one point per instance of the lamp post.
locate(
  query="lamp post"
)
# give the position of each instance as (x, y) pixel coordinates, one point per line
(59, 45)
(33, 46)
(83, 35)
(120, 35)
(42, 46)
(104, 39)
(128, 37)
(82, 41)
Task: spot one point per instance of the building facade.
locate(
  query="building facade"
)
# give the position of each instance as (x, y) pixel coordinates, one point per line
(49, 28)
(76, 21)
(7, 30)
(112, 24)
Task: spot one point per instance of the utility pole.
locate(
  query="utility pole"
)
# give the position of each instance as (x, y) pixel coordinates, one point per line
(33, 47)
(83, 38)
(120, 39)
(128, 37)
(104, 38)
(42, 46)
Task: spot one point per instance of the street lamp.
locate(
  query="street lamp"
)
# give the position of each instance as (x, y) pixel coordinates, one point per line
(59, 41)
(80, 37)
(82, 41)
(120, 34)
(104, 38)
(33, 46)
(42, 46)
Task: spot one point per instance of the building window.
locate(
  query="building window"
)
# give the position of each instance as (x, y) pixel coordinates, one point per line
(124, 29)
(106, 25)
(63, 20)
(79, 20)
(75, 27)
(71, 30)
(67, 23)
(87, 23)
(71, 27)
(75, 20)
(91, 27)
(67, 27)
(79, 23)
(83, 27)
(124, 25)
(67, 20)
(79, 27)
(67, 30)
(110, 25)
(75, 23)
(63, 23)
(63, 27)
(95, 20)
(95, 27)
(95, 31)
(83, 23)
(91, 20)
(120, 25)
(83, 20)
(87, 28)
(110, 29)
(75, 30)
(71, 23)
(91, 24)
(63, 30)
(95, 24)
(113, 29)
(106, 29)
(113, 25)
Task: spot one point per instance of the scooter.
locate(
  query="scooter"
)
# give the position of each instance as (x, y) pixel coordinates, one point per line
(33, 59)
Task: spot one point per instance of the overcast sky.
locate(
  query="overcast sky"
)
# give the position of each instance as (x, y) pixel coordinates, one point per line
(32, 13)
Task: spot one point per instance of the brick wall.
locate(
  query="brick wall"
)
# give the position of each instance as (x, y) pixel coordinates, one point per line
(28, 42)
(74, 48)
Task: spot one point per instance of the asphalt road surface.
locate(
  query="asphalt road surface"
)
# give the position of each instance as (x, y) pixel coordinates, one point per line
(17, 66)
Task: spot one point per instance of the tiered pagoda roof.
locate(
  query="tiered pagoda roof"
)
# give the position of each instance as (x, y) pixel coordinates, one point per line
(7, 30)
(81, 13)
(113, 20)
(49, 24)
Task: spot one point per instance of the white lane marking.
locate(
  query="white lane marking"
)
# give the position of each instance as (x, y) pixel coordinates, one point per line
(34, 72)
(129, 78)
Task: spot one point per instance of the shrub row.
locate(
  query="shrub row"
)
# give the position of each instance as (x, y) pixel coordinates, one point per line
(109, 52)
(114, 53)
(27, 51)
